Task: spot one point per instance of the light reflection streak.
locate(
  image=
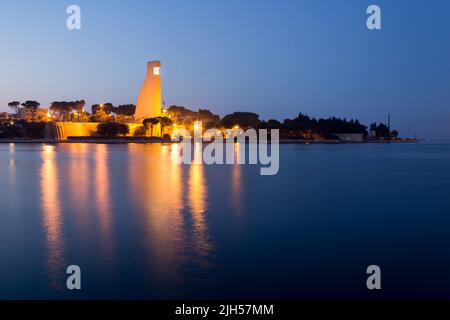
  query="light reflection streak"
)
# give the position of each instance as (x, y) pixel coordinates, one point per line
(12, 191)
(236, 195)
(158, 192)
(103, 200)
(12, 165)
(197, 203)
(52, 215)
(79, 184)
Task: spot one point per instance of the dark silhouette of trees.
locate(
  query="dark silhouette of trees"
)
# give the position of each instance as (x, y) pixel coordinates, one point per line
(381, 130)
(271, 124)
(337, 125)
(64, 109)
(112, 121)
(183, 115)
(31, 104)
(77, 106)
(23, 130)
(125, 110)
(302, 122)
(242, 119)
(112, 129)
(140, 131)
(108, 108)
(373, 127)
(34, 130)
(165, 121)
(394, 134)
(102, 112)
(57, 107)
(11, 131)
(151, 121)
(209, 120)
(322, 127)
(105, 107)
(154, 121)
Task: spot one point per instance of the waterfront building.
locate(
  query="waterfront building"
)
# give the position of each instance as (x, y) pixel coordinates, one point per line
(6, 117)
(350, 137)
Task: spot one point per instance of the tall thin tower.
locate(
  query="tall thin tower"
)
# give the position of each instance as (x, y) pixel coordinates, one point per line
(389, 122)
(149, 103)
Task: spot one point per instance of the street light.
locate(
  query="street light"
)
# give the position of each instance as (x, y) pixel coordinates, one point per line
(197, 125)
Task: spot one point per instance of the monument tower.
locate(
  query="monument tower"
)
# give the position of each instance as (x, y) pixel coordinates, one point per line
(149, 103)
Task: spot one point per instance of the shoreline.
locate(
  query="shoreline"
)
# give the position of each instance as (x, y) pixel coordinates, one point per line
(160, 141)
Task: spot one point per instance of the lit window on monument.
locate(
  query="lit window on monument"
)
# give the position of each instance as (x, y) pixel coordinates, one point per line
(157, 71)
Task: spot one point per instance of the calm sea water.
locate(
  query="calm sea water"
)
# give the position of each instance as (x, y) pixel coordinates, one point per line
(141, 227)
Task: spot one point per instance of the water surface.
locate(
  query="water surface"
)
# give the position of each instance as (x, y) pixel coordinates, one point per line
(141, 227)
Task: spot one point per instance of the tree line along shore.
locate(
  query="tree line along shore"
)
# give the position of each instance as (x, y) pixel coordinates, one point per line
(28, 121)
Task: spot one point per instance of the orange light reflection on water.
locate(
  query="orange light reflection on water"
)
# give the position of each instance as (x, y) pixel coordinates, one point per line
(157, 188)
(197, 200)
(237, 189)
(52, 216)
(79, 184)
(103, 199)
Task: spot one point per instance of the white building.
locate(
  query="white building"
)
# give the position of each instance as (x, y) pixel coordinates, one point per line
(350, 137)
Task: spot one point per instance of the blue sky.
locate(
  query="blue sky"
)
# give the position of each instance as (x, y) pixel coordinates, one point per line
(273, 57)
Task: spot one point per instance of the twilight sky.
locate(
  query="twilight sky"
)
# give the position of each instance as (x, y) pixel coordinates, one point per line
(273, 57)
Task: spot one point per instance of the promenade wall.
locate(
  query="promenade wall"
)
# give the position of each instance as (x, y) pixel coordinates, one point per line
(60, 131)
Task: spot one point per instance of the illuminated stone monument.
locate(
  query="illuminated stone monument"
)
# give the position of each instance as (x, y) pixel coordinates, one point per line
(149, 103)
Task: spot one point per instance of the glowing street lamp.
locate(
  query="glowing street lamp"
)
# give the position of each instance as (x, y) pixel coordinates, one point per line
(197, 125)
